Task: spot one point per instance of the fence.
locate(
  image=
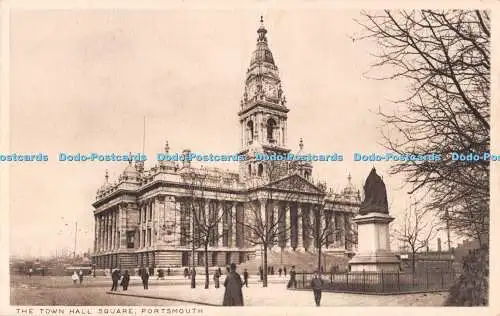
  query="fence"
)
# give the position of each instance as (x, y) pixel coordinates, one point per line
(382, 282)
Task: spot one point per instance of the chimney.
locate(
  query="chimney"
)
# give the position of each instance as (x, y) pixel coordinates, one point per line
(439, 244)
(186, 163)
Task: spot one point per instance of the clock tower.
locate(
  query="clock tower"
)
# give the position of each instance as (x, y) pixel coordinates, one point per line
(263, 112)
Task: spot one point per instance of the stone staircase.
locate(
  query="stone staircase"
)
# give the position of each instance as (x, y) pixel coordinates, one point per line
(306, 261)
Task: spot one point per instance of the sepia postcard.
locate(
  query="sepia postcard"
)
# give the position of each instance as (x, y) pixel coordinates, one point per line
(254, 157)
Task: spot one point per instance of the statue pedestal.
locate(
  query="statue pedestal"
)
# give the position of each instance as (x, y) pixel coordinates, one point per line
(374, 250)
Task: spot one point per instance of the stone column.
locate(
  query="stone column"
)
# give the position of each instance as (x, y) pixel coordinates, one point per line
(288, 227)
(274, 217)
(233, 225)
(115, 226)
(101, 233)
(220, 225)
(300, 243)
(207, 214)
(177, 224)
(263, 213)
(312, 228)
(113, 229)
(95, 233)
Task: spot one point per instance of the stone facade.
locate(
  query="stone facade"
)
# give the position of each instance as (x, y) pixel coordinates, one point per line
(146, 217)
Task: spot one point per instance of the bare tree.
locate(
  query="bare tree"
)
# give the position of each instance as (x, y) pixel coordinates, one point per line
(325, 232)
(415, 230)
(204, 218)
(444, 56)
(264, 227)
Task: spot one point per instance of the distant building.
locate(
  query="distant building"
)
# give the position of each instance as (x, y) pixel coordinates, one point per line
(144, 218)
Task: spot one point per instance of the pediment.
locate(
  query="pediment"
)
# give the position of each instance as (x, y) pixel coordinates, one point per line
(295, 183)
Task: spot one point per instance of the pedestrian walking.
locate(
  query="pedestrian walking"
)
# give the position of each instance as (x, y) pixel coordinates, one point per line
(216, 278)
(233, 295)
(125, 280)
(317, 286)
(145, 278)
(80, 276)
(30, 272)
(168, 271)
(284, 271)
(74, 277)
(279, 271)
(261, 273)
(186, 272)
(293, 280)
(115, 277)
(245, 278)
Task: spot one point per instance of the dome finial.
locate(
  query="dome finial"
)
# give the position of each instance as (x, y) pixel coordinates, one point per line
(167, 147)
(106, 176)
(262, 31)
(349, 177)
(301, 144)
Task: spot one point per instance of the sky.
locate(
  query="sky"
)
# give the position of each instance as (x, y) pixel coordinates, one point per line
(83, 80)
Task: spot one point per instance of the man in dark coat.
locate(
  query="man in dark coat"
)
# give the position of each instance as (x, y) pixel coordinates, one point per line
(317, 286)
(115, 277)
(284, 271)
(125, 280)
(293, 280)
(245, 278)
(216, 278)
(145, 278)
(233, 296)
(279, 271)
(261, 272)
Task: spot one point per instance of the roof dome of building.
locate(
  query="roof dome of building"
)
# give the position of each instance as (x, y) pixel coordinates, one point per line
(130, 172)
(350, 193)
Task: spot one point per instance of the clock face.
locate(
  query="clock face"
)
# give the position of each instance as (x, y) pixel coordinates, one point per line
(271, 90)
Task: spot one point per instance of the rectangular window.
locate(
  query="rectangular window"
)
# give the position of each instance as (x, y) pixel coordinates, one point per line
(130, 239)
(140, 215)
(144, 214)
(150, 212)
(144, 238)
(149, 236)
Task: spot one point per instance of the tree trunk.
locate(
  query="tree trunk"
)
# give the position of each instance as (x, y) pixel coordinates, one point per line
(207, 277)
(264, 281)
(414, 253)
(319, 259)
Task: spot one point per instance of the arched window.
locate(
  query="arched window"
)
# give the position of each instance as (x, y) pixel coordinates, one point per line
(260, 170)
(306, 174)
(249, 170)
(250, 131)
(271, 125)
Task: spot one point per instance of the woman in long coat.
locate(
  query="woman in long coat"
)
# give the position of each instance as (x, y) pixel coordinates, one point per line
(233, 296)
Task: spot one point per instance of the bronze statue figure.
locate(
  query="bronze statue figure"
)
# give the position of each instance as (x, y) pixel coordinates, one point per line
(375, 195)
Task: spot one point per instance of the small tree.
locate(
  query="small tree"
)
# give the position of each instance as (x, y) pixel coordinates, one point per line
(416, 230)
(324, 230)
(264, 227)
(204, 222)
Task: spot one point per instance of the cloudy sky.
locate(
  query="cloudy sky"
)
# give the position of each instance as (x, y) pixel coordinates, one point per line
(82, 81)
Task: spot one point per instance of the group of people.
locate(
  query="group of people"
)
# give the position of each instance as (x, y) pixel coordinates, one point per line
(233, 283)
(77, 277)
(116, 276)
(270, 271)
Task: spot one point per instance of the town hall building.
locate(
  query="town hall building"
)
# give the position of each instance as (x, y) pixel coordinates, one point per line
(148, 217)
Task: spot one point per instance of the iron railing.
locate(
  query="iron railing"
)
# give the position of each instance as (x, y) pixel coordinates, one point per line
(382, 282)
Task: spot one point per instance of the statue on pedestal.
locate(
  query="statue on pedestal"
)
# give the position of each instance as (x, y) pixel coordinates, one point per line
(375, 195)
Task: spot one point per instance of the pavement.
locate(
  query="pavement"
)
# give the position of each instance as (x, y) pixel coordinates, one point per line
(276, 294)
